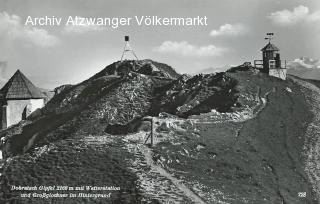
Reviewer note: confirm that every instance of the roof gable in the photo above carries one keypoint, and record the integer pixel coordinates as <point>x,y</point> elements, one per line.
<point>270,47</point>
<point>20,87</point>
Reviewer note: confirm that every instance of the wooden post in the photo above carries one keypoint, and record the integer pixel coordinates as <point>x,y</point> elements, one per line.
<point>151,132</point>
<point>149,119</point>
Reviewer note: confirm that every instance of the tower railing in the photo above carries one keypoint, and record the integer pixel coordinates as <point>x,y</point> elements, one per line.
<point>258,64</point>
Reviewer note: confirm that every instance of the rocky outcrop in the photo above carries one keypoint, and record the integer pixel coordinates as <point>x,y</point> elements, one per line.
<point>199,94</point>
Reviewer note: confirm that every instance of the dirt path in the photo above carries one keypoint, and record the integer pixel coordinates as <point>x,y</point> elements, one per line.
<point>242,116</point>
<point>156,182</point>
<point>189,193</point>
<point>312,141</point>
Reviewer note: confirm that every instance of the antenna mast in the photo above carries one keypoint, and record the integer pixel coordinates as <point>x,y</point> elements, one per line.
<point>127,48</point>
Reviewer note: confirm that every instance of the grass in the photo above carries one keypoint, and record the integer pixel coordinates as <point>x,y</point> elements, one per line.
<point>73,163</point>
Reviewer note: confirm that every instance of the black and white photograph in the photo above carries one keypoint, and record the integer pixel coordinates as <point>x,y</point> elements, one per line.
<point>159,102</point>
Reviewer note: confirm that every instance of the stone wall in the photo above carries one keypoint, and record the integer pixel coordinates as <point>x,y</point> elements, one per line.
<point>280,73</point>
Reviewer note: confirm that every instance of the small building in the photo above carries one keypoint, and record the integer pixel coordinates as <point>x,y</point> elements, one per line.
<point>271,63</point>
<point>18,99</point>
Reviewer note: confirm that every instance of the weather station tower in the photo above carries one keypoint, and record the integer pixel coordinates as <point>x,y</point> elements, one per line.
<point>271,63</point>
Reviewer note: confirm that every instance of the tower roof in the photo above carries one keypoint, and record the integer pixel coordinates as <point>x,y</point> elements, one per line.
<point>20,87</point>
<point>270,47</point>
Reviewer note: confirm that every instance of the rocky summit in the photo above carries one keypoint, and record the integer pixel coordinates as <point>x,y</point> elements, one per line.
<point>239,136</point>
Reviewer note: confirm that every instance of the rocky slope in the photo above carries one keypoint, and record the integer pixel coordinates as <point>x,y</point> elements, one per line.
<point>233,137</point>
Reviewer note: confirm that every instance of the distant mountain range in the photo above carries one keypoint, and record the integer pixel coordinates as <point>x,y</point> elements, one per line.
<point>305,67</point>
<point>214,70</point>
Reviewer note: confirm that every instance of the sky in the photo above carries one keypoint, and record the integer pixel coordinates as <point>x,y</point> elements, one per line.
<point>52,55</point>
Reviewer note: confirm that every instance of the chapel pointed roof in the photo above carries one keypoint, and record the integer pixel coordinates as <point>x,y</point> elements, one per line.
<point>20,87</point>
